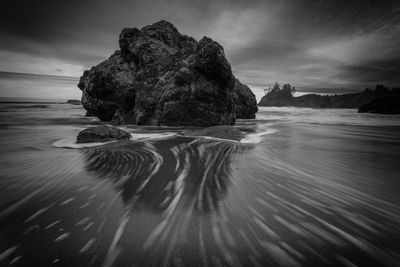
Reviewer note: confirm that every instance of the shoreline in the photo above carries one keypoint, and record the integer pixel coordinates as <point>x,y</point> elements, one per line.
<point>325,190</point>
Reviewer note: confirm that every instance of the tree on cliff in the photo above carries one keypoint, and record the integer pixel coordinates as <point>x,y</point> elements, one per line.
<point>381,89</point>
<point>287,88</point>
<point>276,88</point>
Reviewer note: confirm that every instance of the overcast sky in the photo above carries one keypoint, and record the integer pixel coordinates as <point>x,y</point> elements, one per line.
<point>325,44</point>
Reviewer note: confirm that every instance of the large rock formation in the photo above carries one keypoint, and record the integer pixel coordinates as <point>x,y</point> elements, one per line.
<point>161,77</point>
<point>284,98</point>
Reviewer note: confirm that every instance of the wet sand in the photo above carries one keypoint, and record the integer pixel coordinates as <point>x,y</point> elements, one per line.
<point>303,195</point>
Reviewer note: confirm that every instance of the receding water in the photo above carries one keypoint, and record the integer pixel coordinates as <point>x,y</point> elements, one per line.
<point>306,187</point>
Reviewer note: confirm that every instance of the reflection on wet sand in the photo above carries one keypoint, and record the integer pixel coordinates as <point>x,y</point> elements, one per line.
<point>181,178</point>
<point>303,195</point>
<point>159,176</point>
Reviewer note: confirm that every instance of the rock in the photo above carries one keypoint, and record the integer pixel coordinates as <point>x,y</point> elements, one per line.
<point>277,98</point>
<point>220,131</point>
<point>161,77</point>
<point>107,87</point>
<point>89,114</point>
<point>245,101</point>
<point>388,105</point>
<point>280,98</point>
<point>102,134</point>
<point>74,102</point>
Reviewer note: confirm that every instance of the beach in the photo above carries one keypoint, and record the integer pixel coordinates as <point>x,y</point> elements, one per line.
<point>305,187</point>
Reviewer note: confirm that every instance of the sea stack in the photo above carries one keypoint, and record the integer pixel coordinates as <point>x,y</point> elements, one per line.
<point>161,77</point>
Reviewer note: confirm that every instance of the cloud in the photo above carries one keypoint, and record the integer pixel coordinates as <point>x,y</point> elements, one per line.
<point>385,72</point>
<point>309,43</point>
<point>26,63</point>
<point>358,49</point>
<point>38,86</point>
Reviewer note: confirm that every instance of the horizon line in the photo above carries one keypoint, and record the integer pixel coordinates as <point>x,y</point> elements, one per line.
<point>12,73</point>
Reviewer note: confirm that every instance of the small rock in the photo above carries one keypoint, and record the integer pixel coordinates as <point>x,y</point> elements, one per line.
<point>102,134</point>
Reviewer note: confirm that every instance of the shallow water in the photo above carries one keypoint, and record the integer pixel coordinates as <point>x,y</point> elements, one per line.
<point>306,187</point>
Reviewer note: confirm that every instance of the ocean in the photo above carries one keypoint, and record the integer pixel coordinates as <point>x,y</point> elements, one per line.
<point>305,187</point>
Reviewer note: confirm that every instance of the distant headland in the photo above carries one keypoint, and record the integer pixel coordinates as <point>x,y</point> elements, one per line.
<point>381,100</point>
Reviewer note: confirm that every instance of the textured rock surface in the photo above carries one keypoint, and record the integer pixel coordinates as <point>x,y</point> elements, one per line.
<point>388,105</point>
<point>161,77</point>
<point>102,134</point>
<point>220,131</point>
<point>245,101</point>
